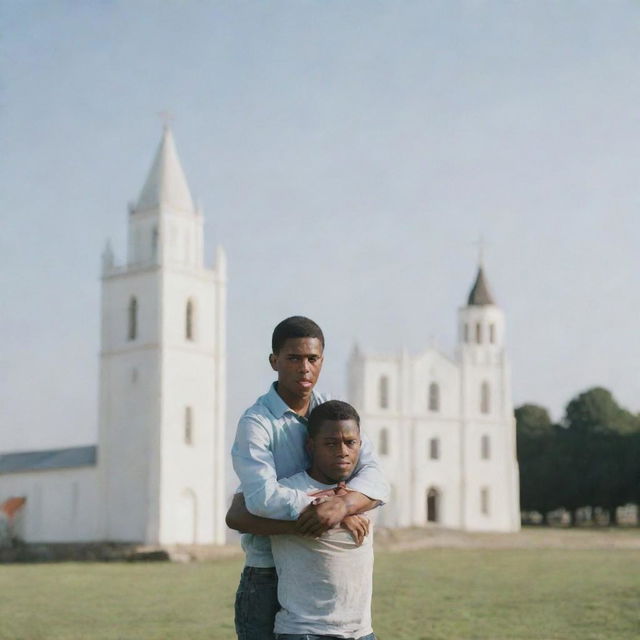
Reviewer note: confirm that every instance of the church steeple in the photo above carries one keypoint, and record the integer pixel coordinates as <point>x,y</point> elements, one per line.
<point>166,184</point>
<point>480,294</point>
<point>481,321</point>
<point>164,225</point>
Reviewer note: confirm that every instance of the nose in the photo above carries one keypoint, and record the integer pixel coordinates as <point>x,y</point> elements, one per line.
<point>344,450</point>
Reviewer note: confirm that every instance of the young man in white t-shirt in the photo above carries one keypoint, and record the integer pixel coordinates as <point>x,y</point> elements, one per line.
<point>324,583</point>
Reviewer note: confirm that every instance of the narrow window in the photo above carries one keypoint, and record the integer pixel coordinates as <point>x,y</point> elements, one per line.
<point>485,398</point>
<point>384,442</point>
<point>434,449</point>
<point>189,320</point>
<point>188,425</point>
<point>492,333</point>
<point>478,333</point>
<point>154,243</point>
<point>384,392</point>
<point>485,447</point>
<point>484,501</point>
<point>133,319</point>
<point>466,332</point>
<point>434,397</point>
<point>433,505</point>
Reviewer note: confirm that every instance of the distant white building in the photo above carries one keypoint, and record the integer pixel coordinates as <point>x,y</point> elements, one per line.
<point>444,428</point>
<point>157,475</point>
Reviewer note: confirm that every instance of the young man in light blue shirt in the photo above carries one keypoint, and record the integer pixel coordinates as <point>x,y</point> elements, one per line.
<point>269,445</point>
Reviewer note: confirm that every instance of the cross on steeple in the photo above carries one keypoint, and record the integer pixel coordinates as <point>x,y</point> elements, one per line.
<point>481,243</point>
<point>167,118</point>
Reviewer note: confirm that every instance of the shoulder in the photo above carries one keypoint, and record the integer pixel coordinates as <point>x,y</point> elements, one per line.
<point>297,481</point>
<point>258,412</point>
<point>256,421</point>
<point>320,397</point>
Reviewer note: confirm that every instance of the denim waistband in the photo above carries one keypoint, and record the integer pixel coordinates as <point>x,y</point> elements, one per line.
<point>259,571</point>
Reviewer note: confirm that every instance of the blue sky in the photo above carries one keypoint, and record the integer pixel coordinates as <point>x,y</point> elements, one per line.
<point>348,155</point>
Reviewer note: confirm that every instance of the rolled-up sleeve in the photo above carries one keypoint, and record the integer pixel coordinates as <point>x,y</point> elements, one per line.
<point>368,478</point>
<point>254,464</point>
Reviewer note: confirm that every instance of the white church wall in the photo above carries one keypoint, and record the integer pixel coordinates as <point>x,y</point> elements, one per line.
<point>433,367</point>
<point>129,412</point>
<point>191,464</point>
<point>441,473</point>
<point>376,371</point>
<point>63,505</point>
<point>438,412</point>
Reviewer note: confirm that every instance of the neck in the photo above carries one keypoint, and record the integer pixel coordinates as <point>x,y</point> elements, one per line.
<point>296,403</point>
<point>317,475</point>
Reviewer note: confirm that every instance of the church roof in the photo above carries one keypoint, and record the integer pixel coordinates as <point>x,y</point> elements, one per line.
<point>480,294</point>
<point>166,183</point>
<point>49,459</point>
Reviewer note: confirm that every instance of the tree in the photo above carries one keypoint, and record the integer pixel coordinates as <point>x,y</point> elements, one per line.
<point>595,441</point>
<point>535,440</point>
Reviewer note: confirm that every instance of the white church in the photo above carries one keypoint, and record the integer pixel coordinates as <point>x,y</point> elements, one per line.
<point>157,475</point>
<point>444,428</point>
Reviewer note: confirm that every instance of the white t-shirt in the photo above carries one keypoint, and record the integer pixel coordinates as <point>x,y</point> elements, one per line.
<point>324,584</point>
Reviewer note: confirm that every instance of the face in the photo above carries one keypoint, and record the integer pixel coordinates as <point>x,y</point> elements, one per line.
<point>334,450</point>
<point>298,364</point>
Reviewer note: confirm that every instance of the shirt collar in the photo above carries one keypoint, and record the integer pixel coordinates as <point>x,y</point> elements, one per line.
<point>279,407</point>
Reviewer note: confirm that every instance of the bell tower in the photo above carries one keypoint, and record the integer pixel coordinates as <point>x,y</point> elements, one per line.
<point>162,371</point>
<point>488,465</point>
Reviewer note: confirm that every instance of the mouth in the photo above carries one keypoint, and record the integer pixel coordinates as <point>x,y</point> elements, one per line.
<point>306,384</point>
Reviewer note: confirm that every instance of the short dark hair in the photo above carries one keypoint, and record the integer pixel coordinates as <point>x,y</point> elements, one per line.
<point>294,327</point>
<point>330,410</point>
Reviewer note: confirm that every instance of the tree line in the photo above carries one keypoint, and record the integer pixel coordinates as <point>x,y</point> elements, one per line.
<point>590,459</point>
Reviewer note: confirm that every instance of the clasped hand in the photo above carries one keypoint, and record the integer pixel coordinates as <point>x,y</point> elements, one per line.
<point>328,510</point>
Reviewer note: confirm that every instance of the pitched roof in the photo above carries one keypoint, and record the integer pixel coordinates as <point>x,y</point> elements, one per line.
<point>49,459</point>
<point>480,294</point>
<point>166,183</point>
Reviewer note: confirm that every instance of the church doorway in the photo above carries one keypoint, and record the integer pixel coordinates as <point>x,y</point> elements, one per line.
<point>433,505</point>
<point>187,518</point>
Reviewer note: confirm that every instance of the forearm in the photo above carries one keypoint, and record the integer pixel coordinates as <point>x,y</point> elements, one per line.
<point>240,519</point>
<point>356,502</point>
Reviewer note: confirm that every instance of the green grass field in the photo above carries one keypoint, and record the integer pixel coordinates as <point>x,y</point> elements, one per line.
<point>434,594</point>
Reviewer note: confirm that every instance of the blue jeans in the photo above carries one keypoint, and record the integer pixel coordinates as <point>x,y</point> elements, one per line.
<point>257,603</point>
<point>306,636</point>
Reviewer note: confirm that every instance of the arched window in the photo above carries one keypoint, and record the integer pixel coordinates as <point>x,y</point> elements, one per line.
<point>478,333</point>
<point>485,447</point>
<point>485,398</point>
<point>484,501</point>
<point>190,320</point>
<point>384,392</point>
<point>434,397</point>
<point>434,449</point>
<point>383,447</point>
<point>133,319</point>
<point>188,425</point>
<point>492,333</point>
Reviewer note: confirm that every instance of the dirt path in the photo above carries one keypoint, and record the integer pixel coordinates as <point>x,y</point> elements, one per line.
<point>529,538</point>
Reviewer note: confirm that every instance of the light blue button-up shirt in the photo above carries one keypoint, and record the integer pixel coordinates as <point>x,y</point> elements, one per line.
<point>269,445</point>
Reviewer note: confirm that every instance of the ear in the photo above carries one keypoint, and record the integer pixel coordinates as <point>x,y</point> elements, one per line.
<point>272,361</point>
<point>308,445</point>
